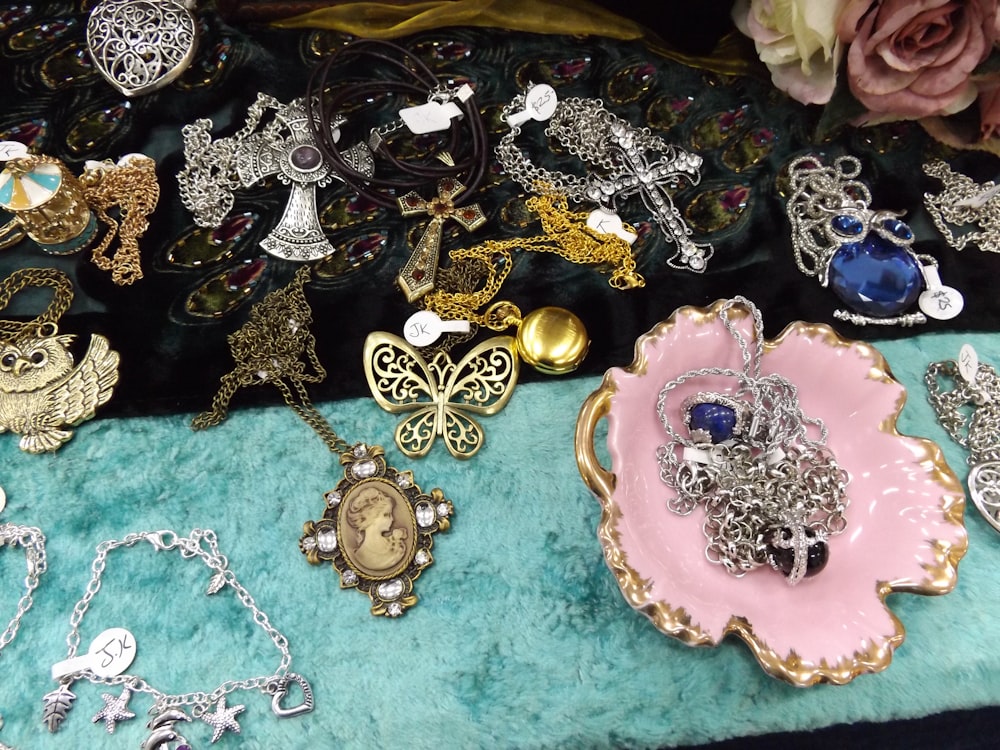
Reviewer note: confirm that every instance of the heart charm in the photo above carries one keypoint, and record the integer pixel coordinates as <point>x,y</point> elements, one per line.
<point>281,690</point>
<point>984,488</point>
<point>140,46</point>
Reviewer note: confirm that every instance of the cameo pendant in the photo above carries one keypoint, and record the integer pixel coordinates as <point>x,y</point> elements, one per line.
<point>377,530</point>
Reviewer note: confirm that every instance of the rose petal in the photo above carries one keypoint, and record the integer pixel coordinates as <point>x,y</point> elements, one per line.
<point>815,87</point>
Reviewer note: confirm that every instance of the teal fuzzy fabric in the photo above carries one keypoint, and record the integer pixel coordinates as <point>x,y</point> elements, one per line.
<point>520,638</point>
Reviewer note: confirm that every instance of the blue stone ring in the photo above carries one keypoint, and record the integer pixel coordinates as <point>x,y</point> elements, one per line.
<point>864,256</point>
<point>713,417</point>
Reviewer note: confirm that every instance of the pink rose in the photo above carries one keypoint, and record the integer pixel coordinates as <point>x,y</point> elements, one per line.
<point>989,110</point>
<point>913,58</point>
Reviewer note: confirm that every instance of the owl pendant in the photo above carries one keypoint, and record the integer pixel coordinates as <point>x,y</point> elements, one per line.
<point>42,393</point>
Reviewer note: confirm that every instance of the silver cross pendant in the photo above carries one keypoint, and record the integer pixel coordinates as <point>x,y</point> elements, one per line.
<point>287,149</point>
<point>651,180</point>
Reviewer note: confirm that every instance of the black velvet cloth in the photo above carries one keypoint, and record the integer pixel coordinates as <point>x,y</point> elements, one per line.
<point>744,129</point>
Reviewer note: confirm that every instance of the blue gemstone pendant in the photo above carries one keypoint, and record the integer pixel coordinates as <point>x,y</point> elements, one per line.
<point>876,277</point>
<point>715,419</point>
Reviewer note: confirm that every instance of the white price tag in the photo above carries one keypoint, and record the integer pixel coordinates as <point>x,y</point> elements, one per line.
<point>110,654</point>
<point>424,327</point>
<point>430,117</point>
<point>943,303</point>
<point>606,222</point>
<point>12,150</point>
<point>968,363</point>
<point>539,104</point>
<point>938,301</point>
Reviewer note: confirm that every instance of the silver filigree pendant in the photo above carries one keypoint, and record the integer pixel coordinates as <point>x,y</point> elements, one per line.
<point>984,488</point>
<point>140,46</point>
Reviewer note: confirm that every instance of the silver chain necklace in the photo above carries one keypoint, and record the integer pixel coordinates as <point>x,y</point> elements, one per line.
<point>32,541</point>
<point>617,152</point>
<point>976,385</point>
<point>772,495</point>
<point>105,665</point>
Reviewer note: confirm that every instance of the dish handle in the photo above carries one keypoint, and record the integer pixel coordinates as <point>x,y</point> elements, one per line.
<point>600,481</point>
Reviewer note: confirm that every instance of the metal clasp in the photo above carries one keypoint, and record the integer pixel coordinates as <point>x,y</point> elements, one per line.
<point>163,540</point>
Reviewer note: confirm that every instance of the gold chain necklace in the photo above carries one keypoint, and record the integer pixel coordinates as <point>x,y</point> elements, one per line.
<point>551,339</point>
<point>57,210</point>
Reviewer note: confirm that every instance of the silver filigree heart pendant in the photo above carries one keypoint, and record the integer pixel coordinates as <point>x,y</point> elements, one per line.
<point>140,46</point>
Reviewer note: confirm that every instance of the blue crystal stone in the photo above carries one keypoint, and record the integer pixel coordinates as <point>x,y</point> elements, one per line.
<point>715,419</point>
<point>875,277</point>
<point>847,225</point>
<point>898,228</point>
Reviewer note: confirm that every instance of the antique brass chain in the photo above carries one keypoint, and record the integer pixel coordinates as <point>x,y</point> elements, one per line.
<point>275,346</point>
<point>24,278</point>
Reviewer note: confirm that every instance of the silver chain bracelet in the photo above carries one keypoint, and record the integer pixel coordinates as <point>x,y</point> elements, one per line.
<point>112,653</point>
<point>32,541</point>
<point>973,384</point>
<point>617,152</point>
<point>772,495</point>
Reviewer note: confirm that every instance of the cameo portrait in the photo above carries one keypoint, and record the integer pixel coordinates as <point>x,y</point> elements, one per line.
<point>377,528</point>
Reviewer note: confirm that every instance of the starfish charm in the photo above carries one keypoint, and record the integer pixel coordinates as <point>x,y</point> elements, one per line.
<point>224,719</point>
<point>115,710</point>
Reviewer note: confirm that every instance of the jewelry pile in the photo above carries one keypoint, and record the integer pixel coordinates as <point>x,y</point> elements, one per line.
<point>772,492</point>
<point>381,125</point>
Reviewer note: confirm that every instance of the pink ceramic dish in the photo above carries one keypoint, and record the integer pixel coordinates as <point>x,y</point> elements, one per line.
<point>904,523</point>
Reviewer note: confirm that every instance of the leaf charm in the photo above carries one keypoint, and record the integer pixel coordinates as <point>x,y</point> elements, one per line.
<point>216,584</point>
<point>56,705</point>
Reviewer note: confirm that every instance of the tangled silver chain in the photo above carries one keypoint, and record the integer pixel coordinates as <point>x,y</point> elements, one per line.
<point>975,387</point>
<point>818,193</point>
<point>769,486</point>
<point>189,547</point>
<point>964,203</point>
<point>980,432</point>
<point>209,177</point>
<point>32,540</point>
<point>616,151</point>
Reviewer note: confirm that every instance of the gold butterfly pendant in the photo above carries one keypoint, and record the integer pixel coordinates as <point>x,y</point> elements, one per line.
<point>442,398</point>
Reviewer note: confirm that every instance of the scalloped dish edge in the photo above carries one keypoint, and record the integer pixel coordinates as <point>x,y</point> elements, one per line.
<point>941,577</point>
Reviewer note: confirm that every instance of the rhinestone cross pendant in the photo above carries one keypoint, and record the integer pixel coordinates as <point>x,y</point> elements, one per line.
<point>417,276</point>
<point>651,180</point>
